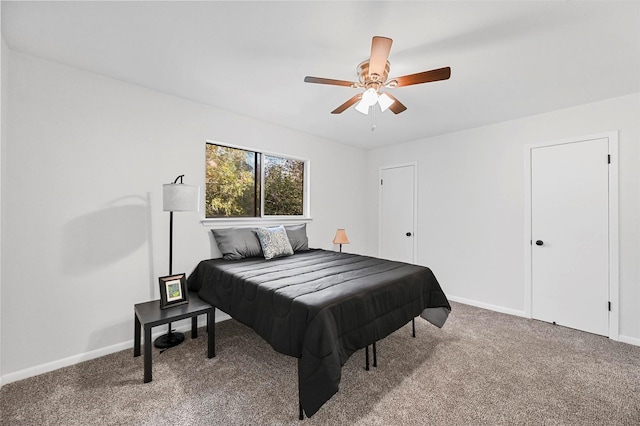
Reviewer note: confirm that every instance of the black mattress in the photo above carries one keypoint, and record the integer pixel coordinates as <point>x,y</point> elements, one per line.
<point>320,306</point>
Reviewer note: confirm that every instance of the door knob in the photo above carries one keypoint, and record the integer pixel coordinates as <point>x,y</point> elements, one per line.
<point>408,234</point>
<point>539,242</point>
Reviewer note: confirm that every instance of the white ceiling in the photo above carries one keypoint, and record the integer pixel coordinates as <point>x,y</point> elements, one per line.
<point>509,59</point>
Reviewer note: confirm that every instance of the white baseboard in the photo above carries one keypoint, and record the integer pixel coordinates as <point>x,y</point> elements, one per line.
<point>76,359</point>
<point>629,340</point>
<point>65,362</point>
<point>624,339</point>
<point>487,306</point>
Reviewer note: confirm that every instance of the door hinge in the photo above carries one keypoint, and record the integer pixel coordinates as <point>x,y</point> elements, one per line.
<point>609,306</point>
<point>609,159</point>
<point>380,181</point>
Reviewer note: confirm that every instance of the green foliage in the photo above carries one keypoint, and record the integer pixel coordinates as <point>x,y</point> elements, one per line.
<point>283,186</point>
<point>232,190</point>
<point>230,182</point>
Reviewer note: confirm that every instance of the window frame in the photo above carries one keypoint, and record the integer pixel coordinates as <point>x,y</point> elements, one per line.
<point>262,219</point>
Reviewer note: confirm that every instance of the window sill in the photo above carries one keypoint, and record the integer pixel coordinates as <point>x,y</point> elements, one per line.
<point>253,221</point>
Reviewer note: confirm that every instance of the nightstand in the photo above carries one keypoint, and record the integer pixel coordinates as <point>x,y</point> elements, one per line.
<point>149,315</point>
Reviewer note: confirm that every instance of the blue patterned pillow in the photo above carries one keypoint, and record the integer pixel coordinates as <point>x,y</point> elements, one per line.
<point>274,242</point>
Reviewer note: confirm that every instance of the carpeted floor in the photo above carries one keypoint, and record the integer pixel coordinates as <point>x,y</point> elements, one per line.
<point>482,368</point>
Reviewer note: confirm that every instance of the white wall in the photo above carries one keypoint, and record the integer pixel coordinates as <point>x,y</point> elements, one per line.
<point>4,62</point>
<point>471,203</point>
<point>84,234</point>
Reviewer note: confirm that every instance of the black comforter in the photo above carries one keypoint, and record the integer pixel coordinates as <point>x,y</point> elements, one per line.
<point>320,306</point>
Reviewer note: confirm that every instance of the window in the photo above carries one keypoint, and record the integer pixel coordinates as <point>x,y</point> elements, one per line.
<point>243,183</point>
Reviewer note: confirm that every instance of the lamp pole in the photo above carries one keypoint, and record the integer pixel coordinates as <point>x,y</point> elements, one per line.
<point>176,197</point>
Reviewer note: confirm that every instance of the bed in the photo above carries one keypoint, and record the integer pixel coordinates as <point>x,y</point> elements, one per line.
<point>318,306</point>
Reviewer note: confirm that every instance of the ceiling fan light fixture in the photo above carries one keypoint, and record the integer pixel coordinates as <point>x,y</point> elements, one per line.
<point>362,107</point>
<point>369,97</point>
<point>385,101</point>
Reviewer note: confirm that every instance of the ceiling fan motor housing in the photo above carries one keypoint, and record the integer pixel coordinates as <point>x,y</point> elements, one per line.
<point>374,81</point>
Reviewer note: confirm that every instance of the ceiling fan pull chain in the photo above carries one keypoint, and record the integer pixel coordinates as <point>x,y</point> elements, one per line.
<point>373,117</point>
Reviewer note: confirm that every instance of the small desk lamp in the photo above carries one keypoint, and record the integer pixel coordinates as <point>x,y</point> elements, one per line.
<point>176,197</point>
<point>340,238</point>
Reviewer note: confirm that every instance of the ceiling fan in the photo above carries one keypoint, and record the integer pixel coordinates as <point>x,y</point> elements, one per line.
<point>372,76</point>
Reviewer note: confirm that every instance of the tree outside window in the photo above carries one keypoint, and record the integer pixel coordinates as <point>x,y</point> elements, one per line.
<point>283,186</point>
<point>233,184</point>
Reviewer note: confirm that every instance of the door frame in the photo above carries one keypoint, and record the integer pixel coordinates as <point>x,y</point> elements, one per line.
<point>413,164</point>
<point>614,313</point>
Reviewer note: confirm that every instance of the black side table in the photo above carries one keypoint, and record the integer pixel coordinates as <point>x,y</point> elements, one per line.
<point>149,315</point>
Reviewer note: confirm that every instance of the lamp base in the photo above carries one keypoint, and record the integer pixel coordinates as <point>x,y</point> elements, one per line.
<point>169,340</point>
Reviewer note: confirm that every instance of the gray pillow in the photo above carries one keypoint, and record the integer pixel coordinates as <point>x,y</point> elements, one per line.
<point>298,236</point>
<point>274,242</point>
<point>237,243</point>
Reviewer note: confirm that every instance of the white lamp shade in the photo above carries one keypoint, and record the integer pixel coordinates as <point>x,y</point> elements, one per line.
<point>385,101</point>
<point>178,197</point>
<point>369,97</point>
<point>362,107</point>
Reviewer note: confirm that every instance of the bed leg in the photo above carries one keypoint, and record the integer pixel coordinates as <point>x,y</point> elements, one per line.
<point>413,326</point>
<point>375,356</point>
<point>301,413</point>
<point>366,357</point>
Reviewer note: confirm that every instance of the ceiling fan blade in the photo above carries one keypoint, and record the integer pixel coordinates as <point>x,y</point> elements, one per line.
<point>380,48</point>
<point>423,77</point>
<point>347,104</point>
<point>319,80</point>
<point>396,107</point>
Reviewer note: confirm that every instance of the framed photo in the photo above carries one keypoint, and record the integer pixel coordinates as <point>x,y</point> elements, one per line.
<point>173,291</point>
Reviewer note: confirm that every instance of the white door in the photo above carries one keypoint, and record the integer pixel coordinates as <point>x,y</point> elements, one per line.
<point>570,235</point>
<point>397,213</point>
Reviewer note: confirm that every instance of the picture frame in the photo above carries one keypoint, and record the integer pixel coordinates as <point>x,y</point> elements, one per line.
<point>173,291</point>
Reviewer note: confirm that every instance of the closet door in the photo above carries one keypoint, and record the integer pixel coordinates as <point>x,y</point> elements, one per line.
<point>570,235</point>
<point>397,213</point>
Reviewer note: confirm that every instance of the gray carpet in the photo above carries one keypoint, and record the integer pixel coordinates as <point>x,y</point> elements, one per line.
<point>482,368</point>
